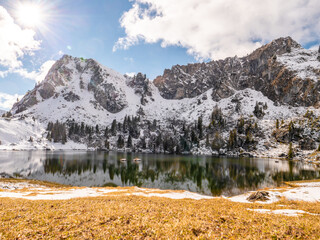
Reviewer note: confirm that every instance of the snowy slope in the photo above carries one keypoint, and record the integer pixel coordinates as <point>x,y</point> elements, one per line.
<point>15,133</point>
<point>28,134</point>
<point>303,61</point>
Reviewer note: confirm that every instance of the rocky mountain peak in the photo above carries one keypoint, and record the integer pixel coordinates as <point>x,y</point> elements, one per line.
<point>276,47</point>
<point>71,78</point>
<point>268,69</point>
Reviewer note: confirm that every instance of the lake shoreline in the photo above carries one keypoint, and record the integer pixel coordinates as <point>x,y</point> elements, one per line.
<point>41,190</point>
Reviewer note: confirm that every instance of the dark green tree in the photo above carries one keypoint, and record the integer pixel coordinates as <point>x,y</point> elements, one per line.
<point>120,142</point>
<point>114,128</point>
<point>290,151</point>
<point>129,142</point>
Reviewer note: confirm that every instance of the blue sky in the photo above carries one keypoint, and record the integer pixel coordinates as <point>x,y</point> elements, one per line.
<point>142,35</point>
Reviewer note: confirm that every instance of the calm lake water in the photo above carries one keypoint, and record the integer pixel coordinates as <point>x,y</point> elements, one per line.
<point>202,174</point>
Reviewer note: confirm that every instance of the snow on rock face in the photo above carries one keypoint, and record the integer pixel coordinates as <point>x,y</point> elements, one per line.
<point>304,62</point>
<point>76,79</point>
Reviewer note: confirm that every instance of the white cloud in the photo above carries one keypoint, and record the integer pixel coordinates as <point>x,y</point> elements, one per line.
<point>7,100</point>
<point>69,47</point>
<point>60,53</point>
<point>37,76</point>
<point>220,28</point>
<point>15,42</point>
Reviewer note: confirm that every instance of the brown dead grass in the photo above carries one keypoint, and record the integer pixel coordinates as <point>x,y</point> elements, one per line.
<point>130,217</point>
<point>117,216</point>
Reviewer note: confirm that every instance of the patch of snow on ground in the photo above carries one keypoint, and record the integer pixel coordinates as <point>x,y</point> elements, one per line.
<point>173,195</point>
<point>35,192</point>
<point>287,212</point>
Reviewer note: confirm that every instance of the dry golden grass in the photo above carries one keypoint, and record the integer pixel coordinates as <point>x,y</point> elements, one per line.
<point>118,216</point>
<point>131,217</point>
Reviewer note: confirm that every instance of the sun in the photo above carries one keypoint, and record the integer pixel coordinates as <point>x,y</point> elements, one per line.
<point>30,15</point>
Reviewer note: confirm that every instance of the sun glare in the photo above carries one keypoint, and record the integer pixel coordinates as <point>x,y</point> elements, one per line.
<point>30,15</point>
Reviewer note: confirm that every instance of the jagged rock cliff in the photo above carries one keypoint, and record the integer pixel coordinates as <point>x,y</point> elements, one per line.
<point>272,69</point>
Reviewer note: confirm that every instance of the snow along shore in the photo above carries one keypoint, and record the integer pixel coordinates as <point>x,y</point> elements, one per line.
<point>29,191</point>
<point>306,191</point>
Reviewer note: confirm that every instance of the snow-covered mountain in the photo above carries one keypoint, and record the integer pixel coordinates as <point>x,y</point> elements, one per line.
<point>189,108</point>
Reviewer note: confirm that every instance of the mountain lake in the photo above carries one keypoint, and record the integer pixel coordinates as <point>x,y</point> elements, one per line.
<point>202,174</point>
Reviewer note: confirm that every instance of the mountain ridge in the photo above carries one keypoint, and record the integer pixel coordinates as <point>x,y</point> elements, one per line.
<point>234,102</point>
<point>260,70</point>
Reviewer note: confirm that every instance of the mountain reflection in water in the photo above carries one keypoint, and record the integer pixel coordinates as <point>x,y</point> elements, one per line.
<point>202,174</point>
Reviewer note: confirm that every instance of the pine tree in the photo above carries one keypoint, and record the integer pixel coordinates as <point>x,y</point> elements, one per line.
<point>233,139</point>
<point>49,136</point>
<point>248,137</point>
<point>290,151</point>
<point>82,128</point>
<point>291,130</point>
<point>143,143</point>
<point>240,124</point>
<point>114,128</point>
<point>120,142</point>
<point>158,140</point>
<point>277,124</point>
<point>71,130</point>
<point>154,124</point>
<point>194,138</point>
<point>207,141</point>
<point>97,129</point>
<point>106,132</point>
<point>129,142</point>
<point>217,142</point>
<point>200,127</point>
<point>106,144</point>
<point>125,124</point>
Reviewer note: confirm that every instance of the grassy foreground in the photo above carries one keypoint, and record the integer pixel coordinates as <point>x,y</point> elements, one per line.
<point>132,217</point>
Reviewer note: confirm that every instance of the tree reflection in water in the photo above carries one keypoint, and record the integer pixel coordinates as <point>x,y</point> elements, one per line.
<point>208,175</point>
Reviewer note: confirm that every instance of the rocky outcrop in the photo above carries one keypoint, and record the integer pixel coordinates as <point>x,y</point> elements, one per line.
<point>70,76</point>
<point>141,86</point>
<point>106,93</point>
<point>260,71</point>
<point>71,97</point>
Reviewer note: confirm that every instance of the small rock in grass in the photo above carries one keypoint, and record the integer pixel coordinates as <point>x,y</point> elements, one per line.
<point>259,196</point>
